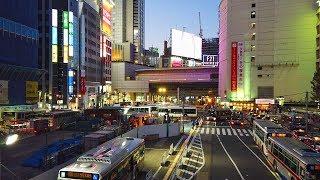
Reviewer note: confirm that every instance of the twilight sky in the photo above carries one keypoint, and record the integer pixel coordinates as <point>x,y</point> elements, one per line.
<point>162,15</point>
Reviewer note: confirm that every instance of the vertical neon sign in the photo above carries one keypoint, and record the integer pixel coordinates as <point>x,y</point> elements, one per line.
<point>234,66</point>
<point>65,22</point>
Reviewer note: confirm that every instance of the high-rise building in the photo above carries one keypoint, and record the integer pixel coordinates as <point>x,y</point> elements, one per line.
<point>128,26</point>
<point>151,57</point>
<point>19,72</point>
<point>90,62</point>
<point>59,52</point>
<point>210,46</point>
<point>265,46</point>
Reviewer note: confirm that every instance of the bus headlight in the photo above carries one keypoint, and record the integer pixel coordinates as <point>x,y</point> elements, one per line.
<point>62,174</point>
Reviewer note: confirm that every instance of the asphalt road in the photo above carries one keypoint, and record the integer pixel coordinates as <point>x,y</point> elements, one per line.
<point>231,154</point>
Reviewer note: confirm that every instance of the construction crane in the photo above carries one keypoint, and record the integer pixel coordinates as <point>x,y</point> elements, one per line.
<point>201,30</point>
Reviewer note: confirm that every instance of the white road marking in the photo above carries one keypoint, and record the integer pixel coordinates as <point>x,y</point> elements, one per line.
<point>212,130</point>
<point>234,132</point>
<point>208,131</point>
<point>229,132</point>
<point>218,131</point>
<point>240,133</point>
<point>245,132</point>
<point>257,157</point>
<point>223,131</point>
<point>202,130</point>
<point>234,164</point>
<point>250,132</point>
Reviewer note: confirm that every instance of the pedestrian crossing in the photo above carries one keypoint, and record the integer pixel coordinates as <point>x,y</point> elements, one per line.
<point>225,131</point>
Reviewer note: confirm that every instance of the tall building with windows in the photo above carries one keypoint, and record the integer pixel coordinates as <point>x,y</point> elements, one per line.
<point>129,26</point>
<point>59,52</point>
<point>19,72</point>
<point>92,67</point>
<point>266,48</point>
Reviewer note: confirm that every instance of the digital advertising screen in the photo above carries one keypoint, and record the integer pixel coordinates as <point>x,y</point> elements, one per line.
<point>186,44</point>
<point>106,11</point>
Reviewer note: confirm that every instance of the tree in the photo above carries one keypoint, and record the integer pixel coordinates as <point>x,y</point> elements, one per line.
<point>316,85</point>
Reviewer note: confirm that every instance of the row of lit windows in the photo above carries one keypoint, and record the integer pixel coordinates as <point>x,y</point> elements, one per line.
<point>19,29</point>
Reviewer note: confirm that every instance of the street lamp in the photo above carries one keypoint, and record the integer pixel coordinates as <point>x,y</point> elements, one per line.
<point>8,140</point>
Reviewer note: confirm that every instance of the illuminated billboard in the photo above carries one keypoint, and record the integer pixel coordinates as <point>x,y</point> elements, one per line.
<point>234,66</point>
<point>186,44</point>
<point>106,11</point>
<point>176,62</point>
<point>54,53</point>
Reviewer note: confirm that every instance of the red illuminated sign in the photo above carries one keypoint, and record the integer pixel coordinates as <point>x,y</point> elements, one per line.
<point>83,88</point>
<point>234,65</point>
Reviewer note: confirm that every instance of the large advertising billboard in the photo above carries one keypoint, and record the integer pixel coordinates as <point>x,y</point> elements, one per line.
<point>31,92</point>
<point>4,92</point>
<point>106,10</point>
<point>186,44</point>
<point>234,66</point>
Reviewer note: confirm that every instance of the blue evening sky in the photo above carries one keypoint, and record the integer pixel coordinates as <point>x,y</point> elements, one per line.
<point>162,15</point>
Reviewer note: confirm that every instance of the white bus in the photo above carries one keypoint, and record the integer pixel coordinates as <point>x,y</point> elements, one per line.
<point>292,159</point>
<point>176,111</point>
<point>152,110</point>
<point>120,158</point>
<point>262,129</point>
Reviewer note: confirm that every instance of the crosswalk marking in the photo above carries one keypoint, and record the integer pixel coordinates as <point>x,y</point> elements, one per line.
<point>245,132</point>
<point>202,130</point>
<point>229,132</point>
<point>218,131</point>
<point>234,132</point>
<point>212,130</point>
<point>207,131</point>
<point>223,131</point>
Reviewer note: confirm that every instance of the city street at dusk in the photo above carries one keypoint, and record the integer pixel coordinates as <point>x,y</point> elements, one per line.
<point>160,89</point>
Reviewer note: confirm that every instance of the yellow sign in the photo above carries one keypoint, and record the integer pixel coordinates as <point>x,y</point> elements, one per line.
<point>31,92</point>
<point>65,54</point>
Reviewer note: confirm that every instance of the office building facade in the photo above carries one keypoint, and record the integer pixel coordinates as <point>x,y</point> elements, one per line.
<point>128,27</point>
<point>59,52</point>
<point>265,46</point>
<point>19,40</point>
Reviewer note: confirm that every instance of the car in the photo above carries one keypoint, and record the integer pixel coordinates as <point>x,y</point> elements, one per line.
<point>237,122</point>
<point>298,133</point>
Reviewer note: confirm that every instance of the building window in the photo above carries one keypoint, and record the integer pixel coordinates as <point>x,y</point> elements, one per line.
<point>253,25</point>
<point>259,76</point>
<point>259,67</point>
<point>253,47</point>
<point>253,36</point>
<point>253,58</point>
<point>253,14</point>
<point>253,5</point>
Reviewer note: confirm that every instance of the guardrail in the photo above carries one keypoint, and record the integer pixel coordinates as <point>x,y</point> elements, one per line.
<point>171,173</point>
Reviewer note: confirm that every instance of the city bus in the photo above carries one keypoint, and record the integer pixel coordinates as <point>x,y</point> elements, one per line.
<point>292,159</point>
<point>152,110</point>
<point>262,129</point>
<point>176,111</point>
<point>119,158</point>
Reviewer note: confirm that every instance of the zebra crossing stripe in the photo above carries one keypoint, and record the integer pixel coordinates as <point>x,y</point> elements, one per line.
<point>240,133</point>
<point>202,130</point>
<point>212,131</point>
<point>234,132</point>
<point>207,131</point>
<point>223,131</point>
<point>229,132</point>
<point>218,131</point>
<point>245,132</point>
<point>250,131</point>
